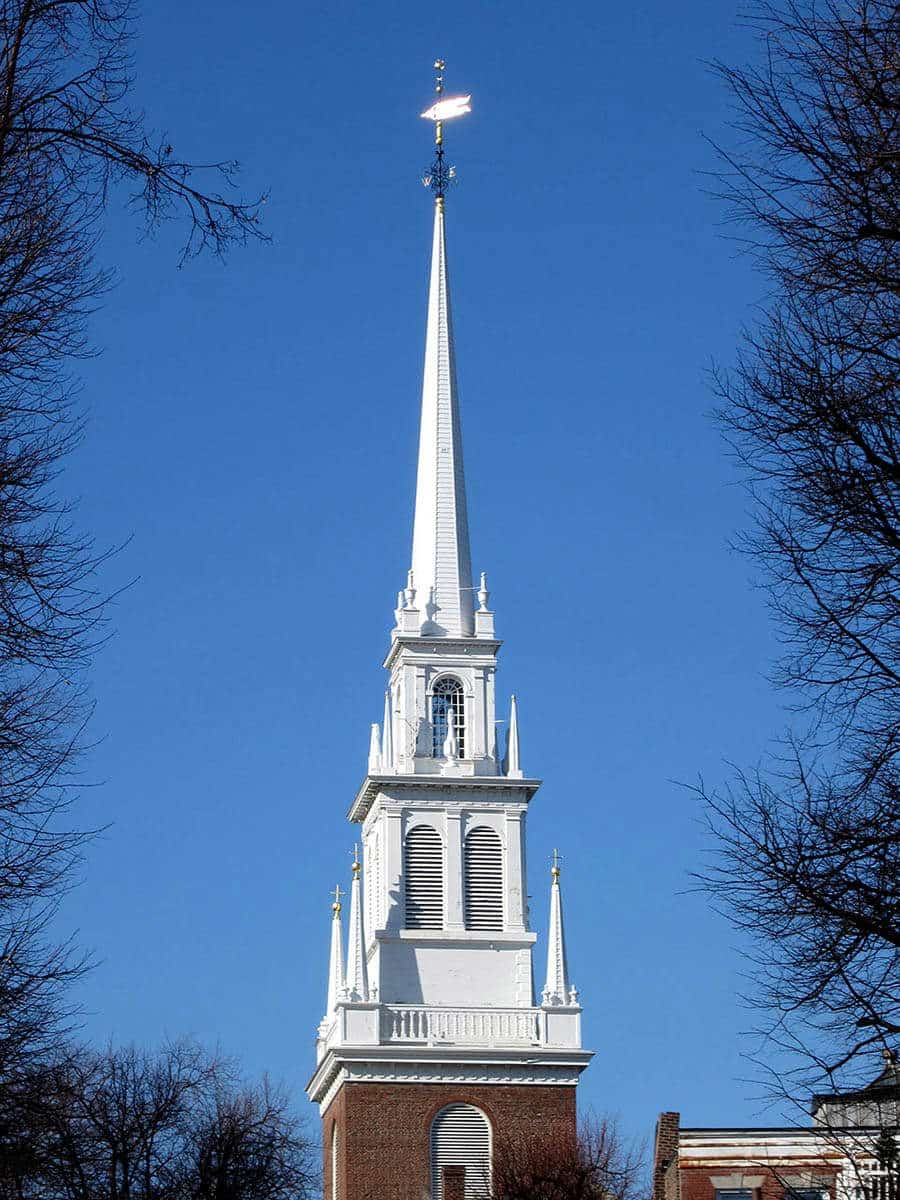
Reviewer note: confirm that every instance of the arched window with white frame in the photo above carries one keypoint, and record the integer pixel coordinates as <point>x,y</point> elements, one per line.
<point>460,1137</point>
<point>483,879</point>
<point>423,876</point>
<point>448,710</point>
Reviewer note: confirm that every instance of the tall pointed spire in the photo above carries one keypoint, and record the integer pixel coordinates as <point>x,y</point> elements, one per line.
<point>557,990</point>
<point>374,749</point>
<point>336,957</point>
<point>387,735</point>
<point>513,767</point>
<point>441,560</point>
<point>357,974</point>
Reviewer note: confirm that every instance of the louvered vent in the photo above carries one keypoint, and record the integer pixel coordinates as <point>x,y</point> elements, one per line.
<point>423,871</point>
<point>484,879</point>
<point>461,1137</point>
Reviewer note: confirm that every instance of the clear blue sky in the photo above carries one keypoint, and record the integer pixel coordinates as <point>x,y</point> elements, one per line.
<point>253,432</point>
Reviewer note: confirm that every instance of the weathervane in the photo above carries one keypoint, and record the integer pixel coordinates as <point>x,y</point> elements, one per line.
<point>441,175</point>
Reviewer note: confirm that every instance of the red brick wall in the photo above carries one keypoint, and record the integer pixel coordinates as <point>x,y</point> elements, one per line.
<point>665,1158</point>
<point>383,1130</point>
<point>696,1182</point>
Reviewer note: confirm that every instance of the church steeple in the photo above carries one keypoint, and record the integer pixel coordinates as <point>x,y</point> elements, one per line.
<point>441,560</point>
<point>435,1011</point>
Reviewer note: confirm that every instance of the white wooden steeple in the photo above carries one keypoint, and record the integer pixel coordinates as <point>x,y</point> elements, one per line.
<point>438,981</point>
<point>441,559</point>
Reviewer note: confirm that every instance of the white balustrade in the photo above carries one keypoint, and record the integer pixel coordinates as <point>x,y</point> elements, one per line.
<point>461,1026</point>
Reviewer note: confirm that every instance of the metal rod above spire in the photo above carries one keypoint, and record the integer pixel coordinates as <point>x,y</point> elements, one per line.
<point>440,175</point>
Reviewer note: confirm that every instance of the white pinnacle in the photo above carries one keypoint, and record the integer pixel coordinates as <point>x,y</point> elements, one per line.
<point>556,990</point>
<point>513,769</point>
<point>357,973</point>
<point>441,560</point>
<point>336,958</point>
<point>374,750</point>
<point>387,736</point>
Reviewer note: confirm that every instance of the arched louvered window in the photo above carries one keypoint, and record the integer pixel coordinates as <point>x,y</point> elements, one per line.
<point>448,707</point>
<point>335,1191</point>
<point>423,873</point>
<point>483,868</point>
<point>461,1137</point>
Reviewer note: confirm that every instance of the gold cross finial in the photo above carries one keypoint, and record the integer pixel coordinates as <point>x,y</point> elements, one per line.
<point>336,906</point>
<point>556,860</point>
<point>356,866</point>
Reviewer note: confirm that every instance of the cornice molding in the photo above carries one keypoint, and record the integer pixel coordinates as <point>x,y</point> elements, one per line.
<point>339,1068</point>
<point>479,786</point>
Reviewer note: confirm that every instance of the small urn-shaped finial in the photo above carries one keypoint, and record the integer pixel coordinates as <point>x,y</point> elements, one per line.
<point>484,595</point>
<point>409,592</point>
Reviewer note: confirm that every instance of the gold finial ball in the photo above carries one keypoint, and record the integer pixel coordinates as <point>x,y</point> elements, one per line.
<point>439,64</point>
<point>554,871</point>
<point>356,868</point>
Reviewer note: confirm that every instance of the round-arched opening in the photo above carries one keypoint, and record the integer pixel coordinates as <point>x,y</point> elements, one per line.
<point>448,711</point>
<point>460,1138</point>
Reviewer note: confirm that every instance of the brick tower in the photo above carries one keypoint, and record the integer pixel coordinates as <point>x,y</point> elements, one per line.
<point>432,1048</point>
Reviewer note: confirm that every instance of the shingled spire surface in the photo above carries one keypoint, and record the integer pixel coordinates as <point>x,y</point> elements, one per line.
<point>441,559</point>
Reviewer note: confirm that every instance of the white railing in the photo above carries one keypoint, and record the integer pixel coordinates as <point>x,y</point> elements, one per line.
<point>874,1183</point>
<point>463,1026</point>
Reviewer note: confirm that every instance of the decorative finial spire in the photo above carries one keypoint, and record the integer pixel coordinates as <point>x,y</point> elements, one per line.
<point>484,595</point>
<point>374,749</point>
<point>441,559</point>
<point>387,736</point>
<point>357,972</point>
<point>513,767</point>
<point>444,109</point>
<point>409,592</point>
<point>336,956</point>
<point>558,992</point>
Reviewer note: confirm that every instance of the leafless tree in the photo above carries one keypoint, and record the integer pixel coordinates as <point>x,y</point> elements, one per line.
<point>69,141</point>
<point>128,1125</point>
<point>598,1164</point>
<point>809,846</point>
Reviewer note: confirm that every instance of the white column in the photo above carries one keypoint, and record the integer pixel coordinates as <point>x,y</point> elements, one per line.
<point>453,881</point>
<point>515,872</point>
<point>392,868</point>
